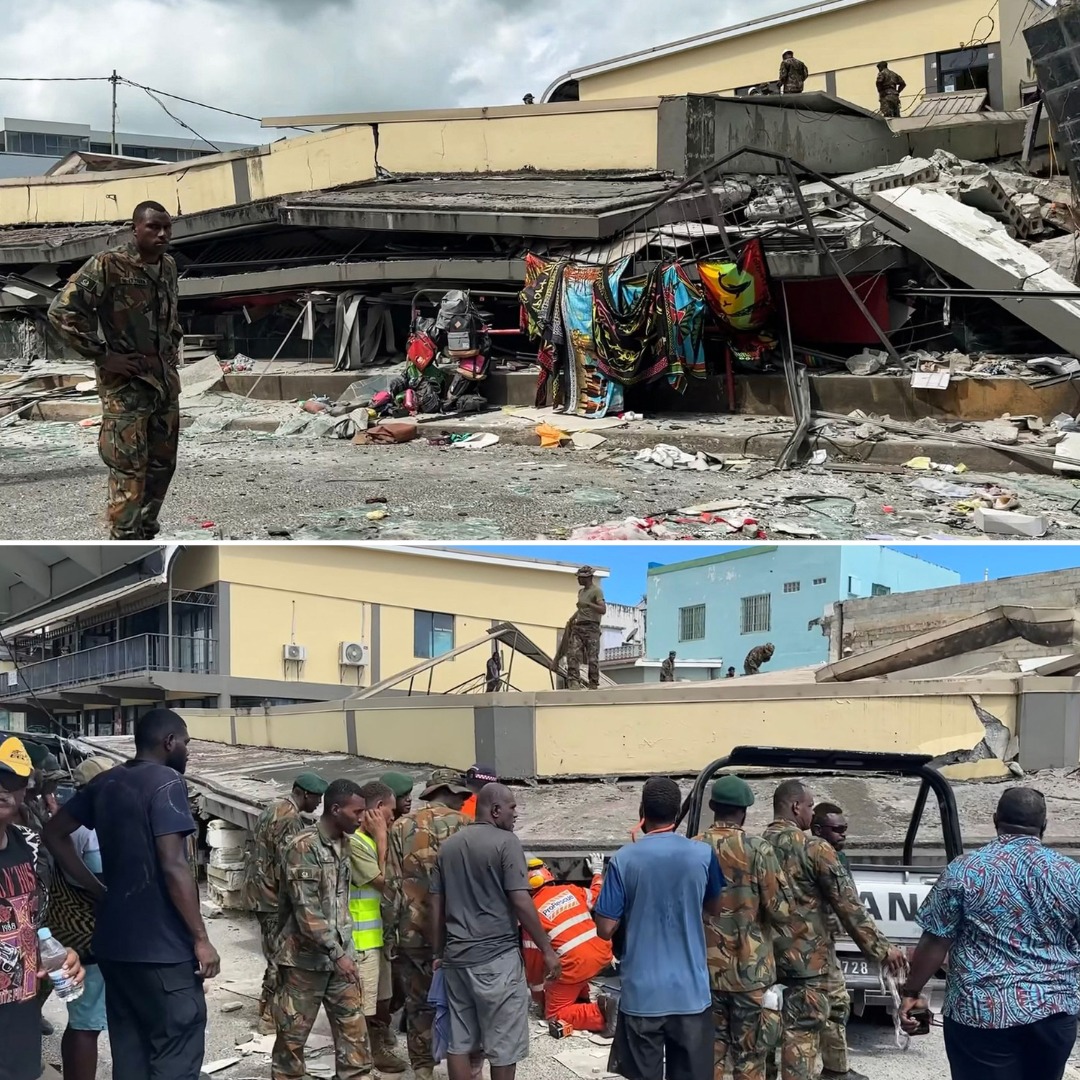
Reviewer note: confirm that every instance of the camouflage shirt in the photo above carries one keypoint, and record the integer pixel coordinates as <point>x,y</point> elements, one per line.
<point>758,655</point>
<point>411,853</point>
<point>889,83</point>
<point>756,903</point>
<point>315,927</point>
<point>278,823</point>
<point>820,886</point>
<point>136,307</point>
<point>793,75</point>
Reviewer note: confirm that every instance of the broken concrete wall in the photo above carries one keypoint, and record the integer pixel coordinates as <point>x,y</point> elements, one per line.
<point>884,620</point>
<point>977,249</point>
<point>1048,726</point>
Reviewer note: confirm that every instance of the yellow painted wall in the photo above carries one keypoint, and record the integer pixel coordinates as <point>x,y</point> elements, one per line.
<point>849,40</point>
<point>649,737</point>
<point>567,141</point>
<point>615,138</point>
<point>196,567</point>
<point>329,590</point>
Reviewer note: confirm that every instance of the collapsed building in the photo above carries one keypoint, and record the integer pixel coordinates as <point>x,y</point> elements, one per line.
<point>792,256</point>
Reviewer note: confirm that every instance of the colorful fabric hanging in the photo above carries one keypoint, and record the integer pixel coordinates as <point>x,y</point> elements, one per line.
<point>738,292</point>
<point>624,330</point>
<point>680,339</point>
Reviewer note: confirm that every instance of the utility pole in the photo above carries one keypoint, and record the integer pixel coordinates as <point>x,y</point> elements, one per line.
<point>114,80</point>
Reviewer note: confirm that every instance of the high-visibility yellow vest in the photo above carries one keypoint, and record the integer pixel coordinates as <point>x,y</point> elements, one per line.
<point>364,907</point>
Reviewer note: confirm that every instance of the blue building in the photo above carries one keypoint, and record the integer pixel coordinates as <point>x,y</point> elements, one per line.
<point>720,607</point>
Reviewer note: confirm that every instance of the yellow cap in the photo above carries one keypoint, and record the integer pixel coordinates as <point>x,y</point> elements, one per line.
<point>14,758</point>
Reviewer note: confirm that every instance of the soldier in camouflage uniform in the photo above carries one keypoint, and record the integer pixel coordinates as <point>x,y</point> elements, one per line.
<point>411,853</point>
<point>831,826</point>
<point>583,646</point>
<point>819,886</point>
<point>277,824</point>
<point>315,958</point>
<point>889,88</point>
<point>793,74</point>
<point>756,903</point>
<point>132,293</point>
<point>760,654</point>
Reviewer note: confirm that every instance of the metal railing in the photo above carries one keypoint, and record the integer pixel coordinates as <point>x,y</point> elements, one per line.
<point>131,656</point>
<point>624,652</point>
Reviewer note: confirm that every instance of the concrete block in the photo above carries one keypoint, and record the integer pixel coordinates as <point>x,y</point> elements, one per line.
<point>985,193</point>
<point>977,250</point>
<point>1009,523</point>
<point>1068,448</point>
<point>1060,252</point>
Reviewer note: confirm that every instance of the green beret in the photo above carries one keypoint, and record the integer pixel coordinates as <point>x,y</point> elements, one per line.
<point>38,754</point>
<point>311,783</point>
<point>732,791</point>
<point>400,784</point>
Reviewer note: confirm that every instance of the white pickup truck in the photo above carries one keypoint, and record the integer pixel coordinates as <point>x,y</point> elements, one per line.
<point>892,888</point>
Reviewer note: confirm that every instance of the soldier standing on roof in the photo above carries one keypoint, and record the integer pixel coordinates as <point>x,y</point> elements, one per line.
<point>760,654</point>
<point>584,629</point>
<point>277,824</point>
<point>412,849</point>
<point>132,294</point>
<point>667,668</point>
<point>793,74</point>
<point>755,905</point>
<point>889,88</point>
<point>820,888</point>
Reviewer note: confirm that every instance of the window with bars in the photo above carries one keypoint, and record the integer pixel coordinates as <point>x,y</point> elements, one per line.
<point>692,623</point>
<point>819,581</point>
<point>792,586</point>
<point>756,616</point>
<point>880,590</point>
<point>433,634</point>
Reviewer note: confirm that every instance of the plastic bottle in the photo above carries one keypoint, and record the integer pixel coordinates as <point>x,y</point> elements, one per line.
<point>53,956</point>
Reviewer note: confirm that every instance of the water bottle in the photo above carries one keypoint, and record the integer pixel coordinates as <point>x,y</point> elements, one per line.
<point>53,957</point>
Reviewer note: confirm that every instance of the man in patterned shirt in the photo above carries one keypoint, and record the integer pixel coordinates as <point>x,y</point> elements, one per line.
<point>1008,918</point>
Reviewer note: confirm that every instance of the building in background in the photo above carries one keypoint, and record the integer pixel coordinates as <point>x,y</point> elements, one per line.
<point>938,48</point>
<point>715,610</point>
<point>33,147</point>
<point>103,634</point>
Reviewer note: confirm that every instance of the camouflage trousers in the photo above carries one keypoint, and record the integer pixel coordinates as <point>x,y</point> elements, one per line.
<point>584,648</point>
<point>890,105</point>
<point>746,1032</point>
<point>297,999</point>
<point>412,974</point>
<point>140,430</point>
<point>834,1053</point>
<point>267,932</point>
<point>806,1011</point>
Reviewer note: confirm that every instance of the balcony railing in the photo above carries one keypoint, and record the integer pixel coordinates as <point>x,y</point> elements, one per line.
<point>131,656</point>
<point>624,652</point>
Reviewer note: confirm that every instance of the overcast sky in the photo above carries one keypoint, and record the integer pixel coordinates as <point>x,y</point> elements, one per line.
<point>290,57</point>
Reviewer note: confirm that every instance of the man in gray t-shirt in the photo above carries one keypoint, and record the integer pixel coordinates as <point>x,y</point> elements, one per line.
<point>479,897</point>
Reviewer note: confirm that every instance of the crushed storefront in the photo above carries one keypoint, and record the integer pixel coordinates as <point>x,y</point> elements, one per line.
<point>870,315</point>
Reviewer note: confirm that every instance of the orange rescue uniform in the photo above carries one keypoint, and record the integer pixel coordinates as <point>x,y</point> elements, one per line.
<point>566,915</point>
<point>469,808</point>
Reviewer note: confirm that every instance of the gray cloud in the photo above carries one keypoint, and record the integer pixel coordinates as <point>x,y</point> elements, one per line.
<point>289,57</point>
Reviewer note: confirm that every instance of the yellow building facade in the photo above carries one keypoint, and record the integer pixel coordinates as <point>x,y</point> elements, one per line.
<point>934,46</point>
<point>236,627</point>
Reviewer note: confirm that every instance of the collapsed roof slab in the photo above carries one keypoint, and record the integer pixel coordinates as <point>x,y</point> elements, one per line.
<point>975,248</point>
<point>1041,626</point>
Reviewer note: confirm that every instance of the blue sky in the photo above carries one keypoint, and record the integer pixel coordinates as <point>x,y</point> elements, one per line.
<point>628,563</point>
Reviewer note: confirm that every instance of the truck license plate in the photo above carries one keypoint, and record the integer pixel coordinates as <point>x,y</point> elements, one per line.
<point>858,967</point>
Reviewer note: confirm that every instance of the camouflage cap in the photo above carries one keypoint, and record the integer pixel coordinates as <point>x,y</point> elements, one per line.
<point>586,571</point>
<point>400,784</point>
<point>450,779</point>
<point>732,791</point>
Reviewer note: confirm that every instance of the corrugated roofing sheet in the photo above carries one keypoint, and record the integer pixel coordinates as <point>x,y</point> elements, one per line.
<point>957,103</point>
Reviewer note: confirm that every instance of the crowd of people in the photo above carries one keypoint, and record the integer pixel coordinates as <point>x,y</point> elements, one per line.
<point>725,943</point>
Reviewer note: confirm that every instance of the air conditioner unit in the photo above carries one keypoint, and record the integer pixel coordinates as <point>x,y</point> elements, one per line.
<point>354,654</point>
<point>13,678</point>
<point>294,652</point>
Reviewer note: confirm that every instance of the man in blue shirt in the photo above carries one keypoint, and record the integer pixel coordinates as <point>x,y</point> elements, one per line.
<point>659,889</point>
<point>149,936</point>
<point>1008,918</point>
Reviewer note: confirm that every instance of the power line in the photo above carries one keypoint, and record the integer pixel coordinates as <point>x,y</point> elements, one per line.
<point>183,124</point>
<point>202,104</point>
<point>27,78</point>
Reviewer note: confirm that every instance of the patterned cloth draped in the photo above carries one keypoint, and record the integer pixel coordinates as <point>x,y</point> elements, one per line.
<point>624,328</point>
<point>738,292</point>
<point>681,313</point>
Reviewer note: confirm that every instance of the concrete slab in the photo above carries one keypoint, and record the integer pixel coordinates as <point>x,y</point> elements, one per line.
<point>1046,626</point>
<point>977,250</point>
